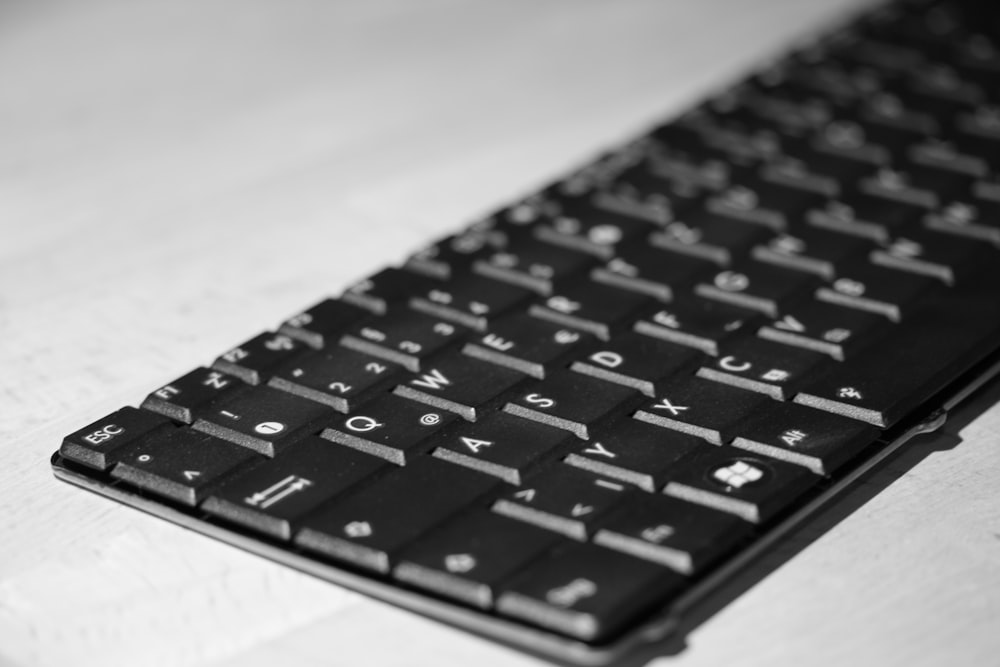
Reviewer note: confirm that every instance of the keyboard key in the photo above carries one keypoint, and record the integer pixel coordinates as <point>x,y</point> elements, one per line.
<point>256,359</point>
<point>264,420</point>
<point>634,452</point>
<point>819,441</point>
<point>587,592</point>
<point>887,380</point>
<point>827,328</point>
<point>635,361</point>
<point>756,286</point>
<point>455,254</point>
<point>180,463</point>
<point>390,427</point>
<point>403,337</point>
<point>585,228</point>
<point>731,480</point>
<point>569,401</point>
<point>650,271</point>
<point>876,289</point>
<point>760,365</point>
<point>680,535</point>
<point>927,253</point>
<point>468,557</point>
<point>275,493</point>
<point>98,444</point>
<point>458,383</point>
<point>535,266</point>
<point>972,219</point>
<point>390,286</point>
<point>526,344</point>
<point>708,237</point>
<point>369,527</point>
<point>192,392</point>
<point>339,378</point>
<point>473,302</point>
<point>501,445</point>
<point>562,499</point>
<point>703,408</point>
<point>699,323</point>
<point>594,308</point>
<point>809,249</point>
<point>321,325</point>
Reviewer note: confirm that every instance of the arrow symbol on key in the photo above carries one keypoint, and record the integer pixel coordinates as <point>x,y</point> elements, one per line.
<point>191,474</point>
<point>580,510</point>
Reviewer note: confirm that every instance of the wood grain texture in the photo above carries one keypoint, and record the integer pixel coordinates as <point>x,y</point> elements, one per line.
<point>177,176</point>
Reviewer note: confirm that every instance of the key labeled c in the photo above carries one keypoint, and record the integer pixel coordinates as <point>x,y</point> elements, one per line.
<point>734,365</point>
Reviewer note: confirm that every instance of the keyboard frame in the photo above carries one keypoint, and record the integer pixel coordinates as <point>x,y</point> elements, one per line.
<point>714,588</point>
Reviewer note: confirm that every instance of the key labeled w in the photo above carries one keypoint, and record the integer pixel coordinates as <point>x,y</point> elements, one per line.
<point>435,379</point>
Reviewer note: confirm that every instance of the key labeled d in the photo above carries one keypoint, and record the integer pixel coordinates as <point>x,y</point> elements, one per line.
<point>607,358</point>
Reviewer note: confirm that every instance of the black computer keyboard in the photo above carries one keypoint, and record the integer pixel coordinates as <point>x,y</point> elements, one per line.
<point>567,424</point>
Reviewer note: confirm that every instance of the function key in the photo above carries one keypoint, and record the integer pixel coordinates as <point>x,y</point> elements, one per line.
<point>96,445</point>
<point>746,485</point>
<point>322,324</point>
<point>587,592</point>
<point>189,393</point>
<point>682,536</point>
<point>403,337</point>
<point>467,558</point>
<point>569,401</point>
<point>338,378</point>
<point>369,527</point>
<point>273,494</point>
<point>264,420</point>
<point>526,344</point>
<point>255,360</point>
<point>180,463</point>
<point>389,427</point>
<point>387,287</point>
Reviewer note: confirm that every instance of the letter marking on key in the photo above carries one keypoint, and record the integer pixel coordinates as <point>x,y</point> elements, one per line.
<point>474,444</point>
<point>600,450</point>
<point>665,404</point>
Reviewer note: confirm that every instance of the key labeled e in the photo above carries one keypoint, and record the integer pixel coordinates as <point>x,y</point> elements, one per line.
<point>607,358</point>
<point>104,434</point>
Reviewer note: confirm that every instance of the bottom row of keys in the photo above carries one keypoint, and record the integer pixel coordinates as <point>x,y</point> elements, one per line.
<point>569,549</point>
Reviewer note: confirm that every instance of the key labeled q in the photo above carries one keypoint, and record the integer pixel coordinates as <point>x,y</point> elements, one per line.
<point>362,424</point>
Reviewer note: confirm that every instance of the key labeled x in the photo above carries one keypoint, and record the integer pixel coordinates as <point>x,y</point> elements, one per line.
<point>665,404</point>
